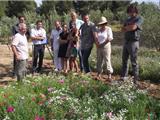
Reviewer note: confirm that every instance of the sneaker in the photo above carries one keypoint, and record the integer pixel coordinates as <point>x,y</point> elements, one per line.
<point>123,78</point>
<point>56,70</point>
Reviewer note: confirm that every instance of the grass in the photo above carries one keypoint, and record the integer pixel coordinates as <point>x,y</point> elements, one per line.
<point>148,60</point>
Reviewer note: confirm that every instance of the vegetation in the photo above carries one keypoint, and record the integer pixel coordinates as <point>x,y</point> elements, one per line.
<point>148,59</point>
<point>74,97</point>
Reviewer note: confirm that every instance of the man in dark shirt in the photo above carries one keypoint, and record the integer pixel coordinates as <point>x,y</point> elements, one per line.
<point>132,29</point>
<point>87,38</point>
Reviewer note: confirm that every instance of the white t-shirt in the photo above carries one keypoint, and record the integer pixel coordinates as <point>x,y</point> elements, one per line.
<point>106,34</point>
<point>21,44</point>
<point>38,32</point>
<point>55,37</point>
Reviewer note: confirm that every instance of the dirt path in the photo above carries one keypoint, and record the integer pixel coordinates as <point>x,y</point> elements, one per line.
<point>6,58</point>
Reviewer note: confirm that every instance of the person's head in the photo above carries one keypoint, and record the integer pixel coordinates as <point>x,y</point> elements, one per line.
<point>73,27</point>
<point>22,28</point>
<point>102,22</point>
<point>85,18</point>
<point>57,24</point>
<point>21,19</point>
<point>73,16</point>
<point>39,24</point>
<point>65,28</point>
<point>132,10</point>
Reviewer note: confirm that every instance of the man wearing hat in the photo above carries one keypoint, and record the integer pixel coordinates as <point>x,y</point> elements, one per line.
<point>132,28</point>
<point>104,38</point>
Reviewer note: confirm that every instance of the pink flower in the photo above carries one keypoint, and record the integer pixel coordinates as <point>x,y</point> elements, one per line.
<point>109,115</point>
<point>50,89</point>
<point>10,109</point>
<point>63,98</point>
<point>39,118</point>
<point>61,81</point>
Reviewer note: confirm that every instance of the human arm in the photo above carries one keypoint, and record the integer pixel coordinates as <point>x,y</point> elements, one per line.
<point>14,43</point>
<point>134,25</point>
<point>15,52</point>
<point>35,36</point>
<point>109,36</point>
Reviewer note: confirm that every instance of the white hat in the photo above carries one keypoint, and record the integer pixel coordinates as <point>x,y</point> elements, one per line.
<point>103,20</point>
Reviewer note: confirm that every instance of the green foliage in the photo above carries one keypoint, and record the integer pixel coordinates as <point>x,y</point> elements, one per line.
<point>148,60</point>
<point>6,24</point>
<point>95,16</point>
<point>2,8</point>
<point>151,33</point>
<point>73,97</point>
<point>16,8</point>
<point>108,14</point>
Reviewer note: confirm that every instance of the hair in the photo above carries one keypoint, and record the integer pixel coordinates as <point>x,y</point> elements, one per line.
<point>85,14</point>
<point>73,13</point>
<point>132,8</point>
<point>19,17</point>
<point>64,24</point>
<point>57,21</point>
<point>38,21</point>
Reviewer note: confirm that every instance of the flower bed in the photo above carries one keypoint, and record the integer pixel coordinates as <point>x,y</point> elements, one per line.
<point>74,97</point>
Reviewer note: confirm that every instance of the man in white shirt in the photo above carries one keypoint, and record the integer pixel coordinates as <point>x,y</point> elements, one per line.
<point>20,49</point>
<point>38,36</point>
<point>55,45</point>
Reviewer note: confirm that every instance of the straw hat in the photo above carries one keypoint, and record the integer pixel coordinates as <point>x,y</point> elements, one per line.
<point>103,20</point>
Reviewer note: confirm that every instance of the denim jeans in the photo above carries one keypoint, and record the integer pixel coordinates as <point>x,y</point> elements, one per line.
<point>80,60</point>
<point>85,56</point>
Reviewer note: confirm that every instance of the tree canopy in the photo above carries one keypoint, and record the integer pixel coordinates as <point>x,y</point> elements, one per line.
<point>16,8</point>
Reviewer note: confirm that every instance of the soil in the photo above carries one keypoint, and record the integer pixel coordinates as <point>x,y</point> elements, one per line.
<point>6,65</point>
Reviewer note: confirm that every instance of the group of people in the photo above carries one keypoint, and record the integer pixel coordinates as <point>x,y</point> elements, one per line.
<point>77,39</point>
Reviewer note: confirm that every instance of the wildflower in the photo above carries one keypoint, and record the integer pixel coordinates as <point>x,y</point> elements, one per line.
<point>39,118</point>
<point>10,109</point>
<point>7,118</point>
<point>42,96</point>
<point>61,81</point>
<point>50,89</point>
<point>63,97</point>
<point>33,99</point>
<point>109,115</point>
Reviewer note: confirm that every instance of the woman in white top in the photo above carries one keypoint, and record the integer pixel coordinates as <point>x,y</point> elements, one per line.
<point>103,42</point>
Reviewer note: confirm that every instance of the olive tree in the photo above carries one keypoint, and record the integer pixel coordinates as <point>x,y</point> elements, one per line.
<point>151,29</point>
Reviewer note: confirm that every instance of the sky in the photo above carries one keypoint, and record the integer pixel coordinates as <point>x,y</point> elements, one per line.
<point>39,2</point>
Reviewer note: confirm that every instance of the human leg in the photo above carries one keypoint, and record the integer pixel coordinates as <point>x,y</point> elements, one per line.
<point>125,56</point>
<point>21,69</point>
<point>35,58</point>
<point>99,62</point>
<point>85,56</point>
<point>41,55</point>
<point>134,53</point>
